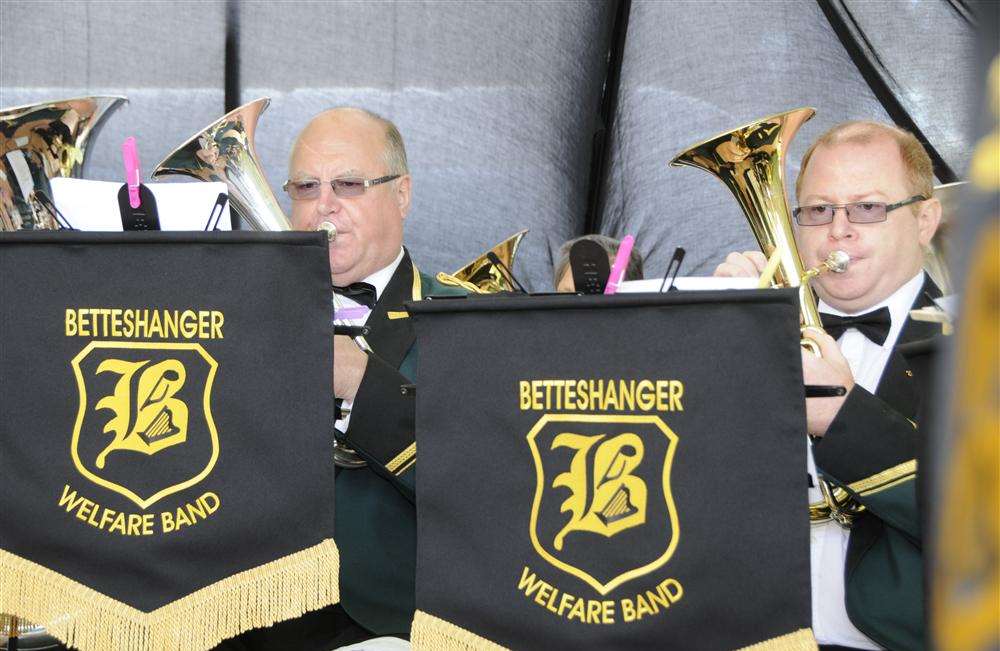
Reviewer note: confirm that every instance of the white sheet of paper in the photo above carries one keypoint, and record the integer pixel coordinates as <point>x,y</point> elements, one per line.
<point>93,205</point>
<point>688,283</point>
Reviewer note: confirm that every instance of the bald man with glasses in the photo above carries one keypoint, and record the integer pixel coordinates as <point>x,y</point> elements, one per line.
<point>348,171</point>
<point>867,189</point>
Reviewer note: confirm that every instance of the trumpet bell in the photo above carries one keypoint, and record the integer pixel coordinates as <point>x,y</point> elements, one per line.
<point>749,160</point>
<point>937,254</point>
<point>39,142</point>
<point>482,274</point>
<point>224,151</point>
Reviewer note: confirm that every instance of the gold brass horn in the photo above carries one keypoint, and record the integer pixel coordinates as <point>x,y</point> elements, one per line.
<point>39,142</point>
<point>224,151</point>
<point>749,161</point>
<point>481,276</point>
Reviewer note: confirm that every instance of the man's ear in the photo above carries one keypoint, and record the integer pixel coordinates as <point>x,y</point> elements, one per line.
<point>928,220</point>
<point>403,195</point>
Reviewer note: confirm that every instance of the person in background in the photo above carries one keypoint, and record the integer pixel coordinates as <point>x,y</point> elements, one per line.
<point>563,274</point>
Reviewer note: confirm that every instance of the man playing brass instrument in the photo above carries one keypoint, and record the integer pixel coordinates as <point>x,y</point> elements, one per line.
<point>866,188</point>
<point>348,168</point>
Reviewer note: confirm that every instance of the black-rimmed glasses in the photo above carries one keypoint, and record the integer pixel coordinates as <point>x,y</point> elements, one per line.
<point>348,186</point>
<point>859,212</point>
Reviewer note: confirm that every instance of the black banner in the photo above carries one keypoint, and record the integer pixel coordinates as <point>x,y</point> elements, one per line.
<point>165,451</point>
<point>612,472</point>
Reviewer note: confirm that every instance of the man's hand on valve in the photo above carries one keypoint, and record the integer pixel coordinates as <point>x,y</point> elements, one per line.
<point>748,264</point>
<point>349,364</point>
<point>831,369</point>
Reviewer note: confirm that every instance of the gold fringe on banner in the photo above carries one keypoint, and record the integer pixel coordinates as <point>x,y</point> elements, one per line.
<point>90,621</point>
<point>800,640</point>
<point>430,633</point>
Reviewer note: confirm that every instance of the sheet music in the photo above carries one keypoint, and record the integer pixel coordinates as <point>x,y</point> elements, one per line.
<point>689,283</point>
<point>93,205</point>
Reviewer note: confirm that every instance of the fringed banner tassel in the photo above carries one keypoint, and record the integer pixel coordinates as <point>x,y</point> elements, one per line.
<point>800,640</point>
<point>430,633</point>
<point>88,620</point>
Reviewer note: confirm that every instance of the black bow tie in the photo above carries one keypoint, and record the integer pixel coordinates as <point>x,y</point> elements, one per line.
<point>360,293</point>
<point>874,325</point>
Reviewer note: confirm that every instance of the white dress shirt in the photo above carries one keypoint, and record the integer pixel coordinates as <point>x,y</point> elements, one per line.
<point>828,541</point>
<point>378,280</point>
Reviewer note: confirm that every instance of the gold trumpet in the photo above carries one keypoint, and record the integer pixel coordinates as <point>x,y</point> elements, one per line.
<point>481,276</point>
<point>39,142</point>
<point>749,161</point>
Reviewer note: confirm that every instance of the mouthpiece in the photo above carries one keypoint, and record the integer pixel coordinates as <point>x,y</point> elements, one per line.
<point>837,261</point>
<point>331,231</point>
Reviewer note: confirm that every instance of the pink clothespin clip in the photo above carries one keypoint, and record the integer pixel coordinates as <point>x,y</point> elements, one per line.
<point>620,265</point>
<point>130,156</point>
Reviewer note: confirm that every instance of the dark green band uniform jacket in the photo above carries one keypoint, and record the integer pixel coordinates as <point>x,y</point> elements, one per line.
<point>871,450</point>
<point>375,526</point>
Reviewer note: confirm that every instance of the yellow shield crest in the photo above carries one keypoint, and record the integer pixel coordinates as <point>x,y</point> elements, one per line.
<point>144,428</point>
<point>603,509</point>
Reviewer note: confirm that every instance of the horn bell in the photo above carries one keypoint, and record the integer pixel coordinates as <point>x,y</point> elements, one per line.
<point>483,274</point>
<point>749,160</point>
<point>39,142</point>
<point>224,151</point>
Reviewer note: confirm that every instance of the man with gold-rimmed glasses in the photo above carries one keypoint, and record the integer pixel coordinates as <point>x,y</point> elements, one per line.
<point>866,189</point>
<point>348,173</point>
